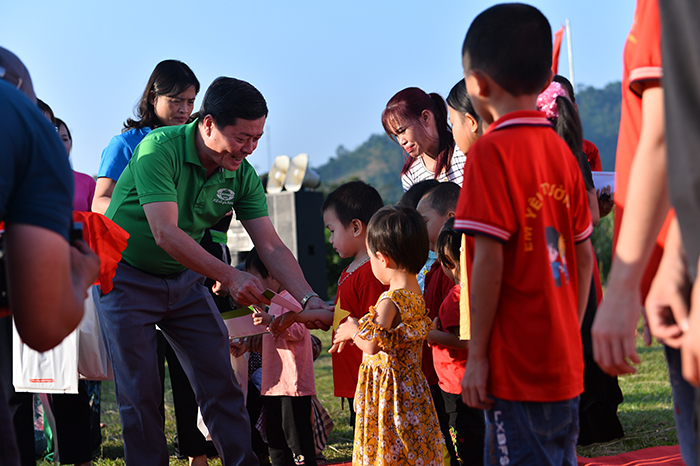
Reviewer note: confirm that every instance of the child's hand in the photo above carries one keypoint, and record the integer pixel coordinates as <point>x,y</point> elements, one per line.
<point>238,347</point>
<point>282,323</point>
<point>261,317</point>
<point>255,343</point>
<point>345,332</point>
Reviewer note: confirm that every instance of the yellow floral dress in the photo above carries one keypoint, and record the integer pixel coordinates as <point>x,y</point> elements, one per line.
<point>396,420</point>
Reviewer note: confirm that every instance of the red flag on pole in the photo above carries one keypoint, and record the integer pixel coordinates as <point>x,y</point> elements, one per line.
<point>558,36</point>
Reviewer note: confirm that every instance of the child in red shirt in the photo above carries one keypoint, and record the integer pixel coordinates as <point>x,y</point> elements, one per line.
<point>524,201</point>
<point>466,425</point>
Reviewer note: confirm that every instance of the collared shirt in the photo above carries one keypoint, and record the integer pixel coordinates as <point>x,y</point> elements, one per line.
<point>166,168</point>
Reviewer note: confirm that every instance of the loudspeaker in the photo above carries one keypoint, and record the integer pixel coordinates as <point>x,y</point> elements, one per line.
<point>297,219</point>
<point>300,175</point>
<point>278,173</point>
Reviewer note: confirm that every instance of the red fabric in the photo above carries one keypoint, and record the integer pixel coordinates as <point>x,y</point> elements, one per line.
<point>642,63</point>
<point>356,293</point>
<point>528,187</point>
<point>437,287</point>
<point>666,456</point>
<point>450,362</point>
<point>107,240</point>
<point>558,36</point>
<point>592,155</point>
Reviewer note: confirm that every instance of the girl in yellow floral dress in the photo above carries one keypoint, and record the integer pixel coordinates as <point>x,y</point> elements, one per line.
<point>396,423</point>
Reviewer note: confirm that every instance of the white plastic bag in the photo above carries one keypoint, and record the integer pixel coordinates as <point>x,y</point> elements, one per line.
<point>93,360</point>
<point>53,371</point>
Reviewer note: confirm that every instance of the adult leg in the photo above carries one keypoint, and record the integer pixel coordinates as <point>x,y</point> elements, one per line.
<point>195,330</point>
<point>128,315</point>
<point>73,437</point>
<point>683,406</point>
<point>20,405</point>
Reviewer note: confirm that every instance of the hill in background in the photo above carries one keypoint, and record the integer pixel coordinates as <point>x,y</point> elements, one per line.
<point>378,160</point>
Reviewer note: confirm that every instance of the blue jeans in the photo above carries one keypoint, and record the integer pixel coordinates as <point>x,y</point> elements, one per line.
<point>184,310</point>
<point>683,406</point>
<point>528,433</point>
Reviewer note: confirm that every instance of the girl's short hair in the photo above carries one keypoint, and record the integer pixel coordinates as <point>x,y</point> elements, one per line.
<point>406,107</point>
<point>169,78</point>
<point>448,244</point>
<point>399,232</point>
<point>254,263</point>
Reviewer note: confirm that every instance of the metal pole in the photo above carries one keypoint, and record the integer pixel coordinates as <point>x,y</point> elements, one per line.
<point>571,53</point>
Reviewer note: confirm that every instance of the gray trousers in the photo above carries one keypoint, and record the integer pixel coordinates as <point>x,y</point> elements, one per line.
<point>184,310</point>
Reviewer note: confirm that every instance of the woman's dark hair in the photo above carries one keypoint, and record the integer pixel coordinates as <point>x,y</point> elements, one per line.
<point>229,99</point>
<point>448,244</point>
<point>60,123</point>
<point>458,98</point>
<point>400,233</point>
<point>169,78</point>
<point>568,127</point>
<point>45,109</point>
<point>405,108</point>
<point>253,262</point>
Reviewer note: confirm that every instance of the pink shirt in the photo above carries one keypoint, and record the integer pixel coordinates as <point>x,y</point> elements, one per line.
<point>84,192</point>
<point>288,363</point>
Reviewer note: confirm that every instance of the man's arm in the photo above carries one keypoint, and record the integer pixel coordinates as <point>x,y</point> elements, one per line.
<point>584,268</point>
<point>162,218</point>
<point>486,290</point>
<point>646,206</point>
<point>47,283</point>
<point>280,261</point>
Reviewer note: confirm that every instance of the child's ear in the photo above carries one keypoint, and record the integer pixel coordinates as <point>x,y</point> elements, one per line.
<point>483,89</point>
<point>472,124</point>
<point>357,227</point>
<point>383,258</point>
<point>450,214</point>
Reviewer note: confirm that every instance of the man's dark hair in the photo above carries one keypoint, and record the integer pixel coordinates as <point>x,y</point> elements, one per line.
<point>229,99</point>
<point>353,200</point>
<point>448,244</point>
<point>512,43</point>
<point>253,262</point>
<point>399,232</point>
<point>443,197</point>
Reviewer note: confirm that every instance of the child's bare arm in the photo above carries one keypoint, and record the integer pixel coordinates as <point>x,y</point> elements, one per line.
<point>584,266</point>
<point>448,338</point>
<point>387,312</point>
<point>486,289</point>
<point>309,316</point>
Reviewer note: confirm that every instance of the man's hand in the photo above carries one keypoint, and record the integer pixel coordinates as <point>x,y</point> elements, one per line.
<point>245,288</point>
<point>614,331</point>
<point>476,375</point>
<point>85,267</point>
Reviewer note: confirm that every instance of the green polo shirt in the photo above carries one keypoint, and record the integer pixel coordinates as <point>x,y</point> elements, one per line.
<point>165,168</point>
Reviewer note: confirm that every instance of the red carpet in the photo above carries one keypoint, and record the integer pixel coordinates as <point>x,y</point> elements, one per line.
<point>665,456</point>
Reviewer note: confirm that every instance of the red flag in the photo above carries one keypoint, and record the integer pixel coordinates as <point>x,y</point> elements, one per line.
<point>558,36</point>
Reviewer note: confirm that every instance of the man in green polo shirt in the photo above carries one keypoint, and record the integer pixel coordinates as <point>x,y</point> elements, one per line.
<point>181,181</point>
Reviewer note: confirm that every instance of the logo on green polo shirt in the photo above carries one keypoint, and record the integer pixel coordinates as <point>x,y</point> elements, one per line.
<point>225,196</point>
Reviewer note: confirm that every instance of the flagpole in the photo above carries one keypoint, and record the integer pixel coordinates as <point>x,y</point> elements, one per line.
<point>571,53</point>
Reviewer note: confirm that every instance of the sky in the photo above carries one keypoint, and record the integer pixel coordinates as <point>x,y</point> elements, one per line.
<point>326,68</point>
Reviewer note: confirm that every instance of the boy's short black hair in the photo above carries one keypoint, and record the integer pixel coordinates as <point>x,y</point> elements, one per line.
<point>512,43</point>
<point>400,233</point>
<point>443,197</point>
<point>253,262</point>
<point>353,200</point>
<point>448,244</point>
<point>415,193</point>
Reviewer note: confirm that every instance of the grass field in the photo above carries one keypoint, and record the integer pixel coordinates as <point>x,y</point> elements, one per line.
<point>646,413</point>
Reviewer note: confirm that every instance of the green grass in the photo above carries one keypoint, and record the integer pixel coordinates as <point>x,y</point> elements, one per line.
<point>646,413</point>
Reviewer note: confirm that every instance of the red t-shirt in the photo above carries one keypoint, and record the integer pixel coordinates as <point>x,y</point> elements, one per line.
<point>356,293</point>
<point>592,155</point>
<point>450,362</point>
<point>531,197</point>
<point>642,63</point>
<point>437,287</point>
